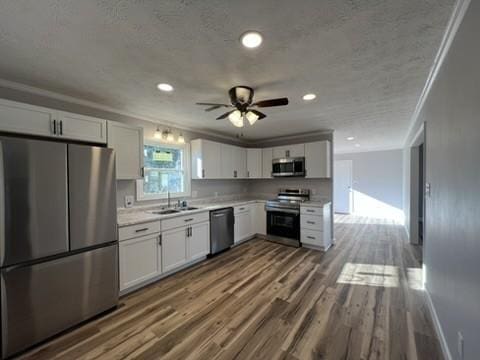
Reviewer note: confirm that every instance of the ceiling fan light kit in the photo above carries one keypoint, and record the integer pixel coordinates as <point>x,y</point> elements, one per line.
<point>241,99</point>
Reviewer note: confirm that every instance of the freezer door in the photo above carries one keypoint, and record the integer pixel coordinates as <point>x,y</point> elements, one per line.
<point>33,199</point>
<point>41,300</point>
<point>93,208</point>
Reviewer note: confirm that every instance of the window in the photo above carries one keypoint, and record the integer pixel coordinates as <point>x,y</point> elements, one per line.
<point>165,170</point>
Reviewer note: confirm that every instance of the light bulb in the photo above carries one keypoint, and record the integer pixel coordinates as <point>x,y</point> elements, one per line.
<point>236,118</point>
<point>181,139</point>
<point>170,137</point>
<point>251,117</point>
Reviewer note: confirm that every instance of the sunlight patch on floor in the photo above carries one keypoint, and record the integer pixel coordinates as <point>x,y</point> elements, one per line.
<point>369,275</point>
<point>415,278</point>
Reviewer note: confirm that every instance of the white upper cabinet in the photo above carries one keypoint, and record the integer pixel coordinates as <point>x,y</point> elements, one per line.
<point>254,163</point>
<point>127,141</point>
<point>227,161</point>
<point>35,120</point>
<point>205,159</point>
<point>289,151</point>
<point>239,162</point>
<point>81,127</point>
<point>267,157</point>
<point>317,159</point>
<point>27,119</point>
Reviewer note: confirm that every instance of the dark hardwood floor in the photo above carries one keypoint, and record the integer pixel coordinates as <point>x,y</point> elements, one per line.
<point>360,300</point>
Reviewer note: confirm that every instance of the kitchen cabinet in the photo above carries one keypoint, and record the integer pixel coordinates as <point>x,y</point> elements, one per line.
<point>226,164</point>
<point>127,141</point>
<point>254,163</point>
<point>206,162</point>
<point>23,118</point>
<point>243,229</point>
<point>317,159</point>
<point>239,162</point>
<point>289,151</point>
<point>174,248</point>
<point>198,243</point>
<point>233,162</point>
<point>315,226</point>
<point>81,127</point>
<point>258,218</point>
<point>140,260</point>
<point>267,157</point>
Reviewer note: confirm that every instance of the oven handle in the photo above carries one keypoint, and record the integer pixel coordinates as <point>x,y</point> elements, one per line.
<point>288,211</point>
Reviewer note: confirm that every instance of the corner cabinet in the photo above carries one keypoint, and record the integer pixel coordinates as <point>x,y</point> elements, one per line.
<point>267,157</point>
<point>23,118</point>
<point>205,159</point>
<point>318,159</point>
<point>243,228</point>
<point>127,141</point>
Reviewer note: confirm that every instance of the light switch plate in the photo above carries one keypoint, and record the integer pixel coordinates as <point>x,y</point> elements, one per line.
<point>128,201</point>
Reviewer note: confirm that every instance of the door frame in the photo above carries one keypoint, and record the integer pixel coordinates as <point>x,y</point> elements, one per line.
<point>418,140</point>
<point>351,207</point>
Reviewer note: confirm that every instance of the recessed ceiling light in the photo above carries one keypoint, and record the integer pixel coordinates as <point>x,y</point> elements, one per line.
<point>165,87</point>
<point>251,39</point>
<point>350,138</point>
<point>357,145</point>
<point>308,97</point>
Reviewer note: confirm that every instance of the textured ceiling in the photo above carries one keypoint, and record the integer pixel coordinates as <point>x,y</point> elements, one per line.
<point>367,60</point>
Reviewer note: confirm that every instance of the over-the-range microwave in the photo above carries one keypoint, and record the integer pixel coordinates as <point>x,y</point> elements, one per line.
<point>288,167</point>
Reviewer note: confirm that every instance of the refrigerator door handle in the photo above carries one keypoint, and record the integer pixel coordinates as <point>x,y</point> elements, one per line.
<point>2,207</point>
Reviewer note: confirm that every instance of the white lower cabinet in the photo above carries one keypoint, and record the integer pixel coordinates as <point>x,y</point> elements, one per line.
<point>315,227</point>
<point>174,246</point>
<point>243,225</point>
<point>259,218</point>
<point>198,243</point>
<point>140,260</point>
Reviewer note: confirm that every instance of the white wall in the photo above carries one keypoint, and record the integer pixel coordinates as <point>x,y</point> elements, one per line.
<point>452,228</point>
<point>377,183</point>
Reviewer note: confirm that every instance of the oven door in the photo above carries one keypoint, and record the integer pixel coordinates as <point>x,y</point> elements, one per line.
<point>283,223</point>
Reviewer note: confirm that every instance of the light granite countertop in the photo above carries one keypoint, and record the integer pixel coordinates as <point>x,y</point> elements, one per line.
<point>142,214</point>
<point>316,203</point>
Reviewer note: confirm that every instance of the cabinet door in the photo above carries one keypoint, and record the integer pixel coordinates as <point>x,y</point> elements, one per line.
<point>80,127</point>
<point>227,161</point>
<point>198,241</point>
<point>317,159</point>
<point>254,163</point>
<point>267,157</point>
<point>259,219</point>
<point>140,260</point>
<point>243,226</point>
<point>174,248</point>
<point>297,150</point>
<point>127,141</point>
<point>205,159</point>
<point>26,119</point>
<point>240,163</point>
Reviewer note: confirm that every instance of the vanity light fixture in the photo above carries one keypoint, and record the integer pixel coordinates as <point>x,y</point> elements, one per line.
<point>157,134</point>
<point>181,139</point>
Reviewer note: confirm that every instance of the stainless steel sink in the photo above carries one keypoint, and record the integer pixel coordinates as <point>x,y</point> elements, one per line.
<point>188,208</point>
<point>164,212</point>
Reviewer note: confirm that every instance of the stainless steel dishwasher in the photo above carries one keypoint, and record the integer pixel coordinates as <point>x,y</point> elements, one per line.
<point>221,229</point>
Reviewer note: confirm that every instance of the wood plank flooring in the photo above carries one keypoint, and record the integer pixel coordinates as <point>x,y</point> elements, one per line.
<point>360,300</point>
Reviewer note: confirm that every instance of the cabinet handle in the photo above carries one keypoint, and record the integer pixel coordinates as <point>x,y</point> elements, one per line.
<point>248,174</point>
<point>54,127</point>
<point>191,231</point>
<point>311,211</point>
<point>141,230</point>
<point>235,173</point>
<point>241,209</point>
<point>187,220</point>
<point>287,153</point>
<point>311,222</point>
<point>142,171</point>
<point>310,237</point>
<point>203,173</point>
<point>160,239</point>
<point>60,125</point>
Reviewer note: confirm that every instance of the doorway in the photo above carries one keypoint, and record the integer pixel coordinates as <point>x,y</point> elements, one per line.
<point>342,186</point>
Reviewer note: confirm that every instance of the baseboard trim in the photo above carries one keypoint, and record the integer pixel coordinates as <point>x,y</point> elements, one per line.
<point>438,328</point>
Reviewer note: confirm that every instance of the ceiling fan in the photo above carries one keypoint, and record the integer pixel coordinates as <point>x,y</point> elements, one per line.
<point>241,98</point>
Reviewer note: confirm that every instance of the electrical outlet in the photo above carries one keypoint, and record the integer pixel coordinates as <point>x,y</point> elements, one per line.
<point>460,345</point>
<point>128,201</point>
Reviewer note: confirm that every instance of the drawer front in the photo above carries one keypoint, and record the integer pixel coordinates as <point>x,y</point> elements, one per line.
<point>185,220</point>
<point>311,237</point>
<point>130,232</point>
<point>311,211</point>
<point>241,209</point>
<point>311,222</point>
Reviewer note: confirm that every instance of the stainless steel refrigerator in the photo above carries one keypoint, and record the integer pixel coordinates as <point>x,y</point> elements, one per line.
<point>58,242</point>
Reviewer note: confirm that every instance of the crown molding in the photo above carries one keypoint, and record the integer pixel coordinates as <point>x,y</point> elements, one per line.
<point>289,137</point>
<point>91,104</point>
<point>453,24</point>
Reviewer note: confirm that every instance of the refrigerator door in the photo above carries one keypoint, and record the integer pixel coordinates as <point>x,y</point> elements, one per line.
<point>33,200</point>
<point>93,207</point>
<point>41,300</point>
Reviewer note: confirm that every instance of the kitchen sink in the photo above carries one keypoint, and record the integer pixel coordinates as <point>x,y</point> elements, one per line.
<point>164,212</point>
<point>188,208</point>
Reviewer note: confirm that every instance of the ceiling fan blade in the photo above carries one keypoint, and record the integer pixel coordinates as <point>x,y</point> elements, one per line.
<point>259,114</point>
<point>271,102</point>
<point>221,117</point>
<point>205,103</point>
<point>214,107</point>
